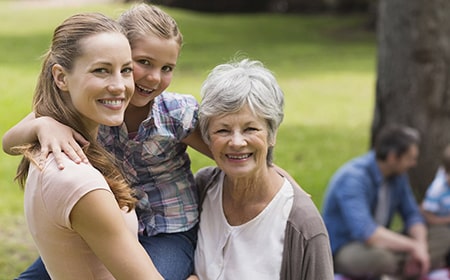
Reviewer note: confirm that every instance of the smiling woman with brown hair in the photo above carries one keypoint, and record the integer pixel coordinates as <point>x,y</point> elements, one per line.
<point>82,218</point>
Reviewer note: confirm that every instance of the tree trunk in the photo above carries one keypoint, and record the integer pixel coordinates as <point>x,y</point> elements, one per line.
<point>413,77</point>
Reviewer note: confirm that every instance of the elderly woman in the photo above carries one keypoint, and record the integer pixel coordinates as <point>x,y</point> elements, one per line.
<point>255,223</point>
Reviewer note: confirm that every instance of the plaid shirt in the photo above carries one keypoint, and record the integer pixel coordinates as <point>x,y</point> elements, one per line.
<point>157,165</point>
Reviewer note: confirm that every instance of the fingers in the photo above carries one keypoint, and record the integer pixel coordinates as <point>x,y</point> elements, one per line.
<point>60,139</point>
<point>42,157</point>
<point>44,154</point>
<point>80,141</point>
<point>75,152</point>
<point>71,149</point>
<point>57,153</point>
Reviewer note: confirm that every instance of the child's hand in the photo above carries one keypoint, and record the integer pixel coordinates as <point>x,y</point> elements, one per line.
<point>57,138</point>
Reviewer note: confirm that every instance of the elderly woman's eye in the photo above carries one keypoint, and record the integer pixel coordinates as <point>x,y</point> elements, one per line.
<point>221,131</point>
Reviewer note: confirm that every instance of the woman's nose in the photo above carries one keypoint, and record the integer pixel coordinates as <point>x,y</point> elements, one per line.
<point>237,139</point>
<point>117,86</point>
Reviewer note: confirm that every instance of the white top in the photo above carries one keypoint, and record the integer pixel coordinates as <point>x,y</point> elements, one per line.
<point>437,197</point>
<point>50,196</point>
<point>249,251</point>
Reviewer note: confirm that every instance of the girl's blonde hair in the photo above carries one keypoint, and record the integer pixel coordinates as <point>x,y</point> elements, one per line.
<point>143,19</point>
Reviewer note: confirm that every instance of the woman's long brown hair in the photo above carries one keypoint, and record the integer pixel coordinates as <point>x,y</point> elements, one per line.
<point>48,100</point>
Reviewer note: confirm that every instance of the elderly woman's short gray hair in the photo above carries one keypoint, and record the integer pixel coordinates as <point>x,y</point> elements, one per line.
<point>231,86</point>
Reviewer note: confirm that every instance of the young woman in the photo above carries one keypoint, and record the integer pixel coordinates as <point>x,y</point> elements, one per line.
<point>82,218</point>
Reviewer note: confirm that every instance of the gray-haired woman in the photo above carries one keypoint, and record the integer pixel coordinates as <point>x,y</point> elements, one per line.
<point>255,223</point>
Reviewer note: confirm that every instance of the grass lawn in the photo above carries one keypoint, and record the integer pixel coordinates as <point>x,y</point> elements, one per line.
<point>325,65</point>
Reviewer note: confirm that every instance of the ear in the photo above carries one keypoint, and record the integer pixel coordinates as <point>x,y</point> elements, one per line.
<point>60,77</point>
<point>391,157</point>
<point>273,139</point>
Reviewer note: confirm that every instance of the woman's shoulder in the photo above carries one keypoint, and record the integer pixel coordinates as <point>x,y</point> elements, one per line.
<point>204,179</point>
<point>305,216</point>
<point>73,174</point>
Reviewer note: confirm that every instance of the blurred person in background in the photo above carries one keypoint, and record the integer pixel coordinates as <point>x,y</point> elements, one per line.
<point>359,205</point>
<point>436,210</point>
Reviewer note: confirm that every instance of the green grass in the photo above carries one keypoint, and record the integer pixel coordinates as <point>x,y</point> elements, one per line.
<point>325,65</point>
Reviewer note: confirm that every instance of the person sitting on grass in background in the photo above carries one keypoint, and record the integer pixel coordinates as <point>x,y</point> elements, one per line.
<point>436,210</point>
<point>150,145</point>
<point>255,222</point>
<point>82,218</point>
<point>359,205</point>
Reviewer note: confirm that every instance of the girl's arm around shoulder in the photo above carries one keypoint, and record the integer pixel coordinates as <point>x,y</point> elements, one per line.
<point>195,141</point>
<point>53,137</point>
<point>98,219</point>
<point>22,133</point>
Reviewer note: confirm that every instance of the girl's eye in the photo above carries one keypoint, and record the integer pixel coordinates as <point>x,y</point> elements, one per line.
<point>144,62</point>
<point>167,69</point>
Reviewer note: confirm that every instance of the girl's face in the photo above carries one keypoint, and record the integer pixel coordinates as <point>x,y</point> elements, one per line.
<point>154,61</point>
<point>239,143</point>
<point>100,85</point>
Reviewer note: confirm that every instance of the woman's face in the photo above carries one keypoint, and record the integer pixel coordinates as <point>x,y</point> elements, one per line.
<point>239,143</point>
<point>101,81</point>
<point>154,61</point>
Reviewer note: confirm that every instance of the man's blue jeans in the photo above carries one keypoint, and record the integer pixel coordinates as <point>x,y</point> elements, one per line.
<point>172,254</point>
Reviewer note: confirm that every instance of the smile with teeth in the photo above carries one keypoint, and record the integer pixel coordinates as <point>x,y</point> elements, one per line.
<point>112,102</point>
<point>144,90</point>
<point>244,156</point>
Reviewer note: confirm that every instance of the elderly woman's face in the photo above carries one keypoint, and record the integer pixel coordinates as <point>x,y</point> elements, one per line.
<point>239,142</point>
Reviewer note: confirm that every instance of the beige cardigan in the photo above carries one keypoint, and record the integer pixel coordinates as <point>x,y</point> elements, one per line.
<point>307,253</point>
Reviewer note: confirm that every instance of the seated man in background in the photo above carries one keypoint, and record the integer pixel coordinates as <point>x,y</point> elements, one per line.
<point>436,210</point>
<point>360,203</point>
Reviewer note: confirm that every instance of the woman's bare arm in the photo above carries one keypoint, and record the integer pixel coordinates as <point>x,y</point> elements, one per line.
<point>195,141</point>
<point>98,219</point>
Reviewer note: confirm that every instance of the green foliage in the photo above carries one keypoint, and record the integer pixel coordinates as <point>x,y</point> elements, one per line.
<point>324,63</point>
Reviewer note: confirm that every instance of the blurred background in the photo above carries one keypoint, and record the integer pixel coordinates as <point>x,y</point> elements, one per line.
<point>347,67</point>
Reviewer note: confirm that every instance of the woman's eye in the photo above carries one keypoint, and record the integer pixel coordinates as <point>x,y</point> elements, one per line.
<point>251,129</point>
<point>127,70</point>
<point>221,131</point>
<point>101,70</point>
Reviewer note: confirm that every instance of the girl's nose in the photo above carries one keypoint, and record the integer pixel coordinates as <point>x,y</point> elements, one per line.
<point>154,76</point>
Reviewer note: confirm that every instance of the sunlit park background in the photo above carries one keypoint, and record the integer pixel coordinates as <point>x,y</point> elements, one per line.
<point>324,63</point>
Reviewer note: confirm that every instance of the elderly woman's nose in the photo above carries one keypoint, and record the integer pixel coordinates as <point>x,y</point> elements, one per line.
<point>237,139</point>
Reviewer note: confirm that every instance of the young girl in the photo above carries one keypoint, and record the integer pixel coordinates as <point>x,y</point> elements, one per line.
<point>150,145</point>
<point>81,218</point>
